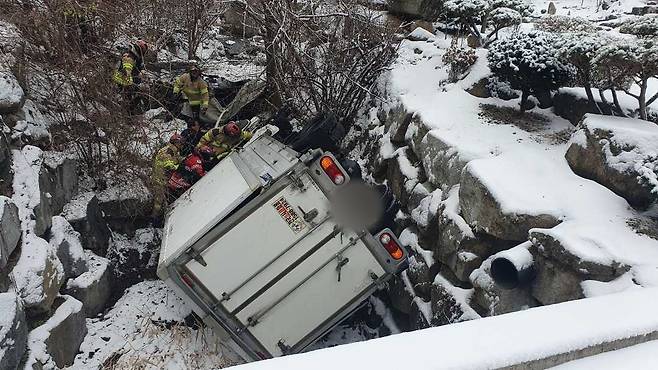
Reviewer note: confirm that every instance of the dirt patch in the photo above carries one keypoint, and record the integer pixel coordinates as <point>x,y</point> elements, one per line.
<point>559,137</point>
<point>648,227</point>
<point>528,121</point>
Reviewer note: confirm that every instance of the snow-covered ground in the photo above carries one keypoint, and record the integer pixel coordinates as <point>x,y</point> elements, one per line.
<point>496,342</point>
<point>147,329</point>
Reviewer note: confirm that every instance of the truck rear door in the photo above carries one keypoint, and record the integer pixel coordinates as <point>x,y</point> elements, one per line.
<point>285,269</point>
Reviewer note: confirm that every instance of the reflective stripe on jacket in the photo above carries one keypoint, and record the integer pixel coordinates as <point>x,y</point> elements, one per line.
<point>221,143</point>
<point>166,160</point>
<point>123,74</point>
<point>196,92</point>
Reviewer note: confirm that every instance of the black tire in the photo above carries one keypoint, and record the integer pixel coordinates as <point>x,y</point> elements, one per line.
<point>323,132</point>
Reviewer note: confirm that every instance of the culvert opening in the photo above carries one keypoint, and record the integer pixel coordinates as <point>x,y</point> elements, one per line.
<point>504,273</point>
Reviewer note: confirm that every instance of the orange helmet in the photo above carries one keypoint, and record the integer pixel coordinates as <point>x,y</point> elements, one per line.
<point>232,129</point>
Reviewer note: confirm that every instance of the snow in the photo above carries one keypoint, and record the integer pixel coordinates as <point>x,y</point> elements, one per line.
<point>11,93</point>
<point>520,257</point>
<point>76,208</point>
<point>451,212</point>
<point>493,342</point>
<point>97,266</point>
<point>146,328</point>
<point>34,124</point>
<point>410,239</point>
<point>639,356</point>
<point>8,308</point>
<point>61,231</point>
<point>427,209</point>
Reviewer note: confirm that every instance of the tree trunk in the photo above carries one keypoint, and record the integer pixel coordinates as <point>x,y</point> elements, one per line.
<point>524,99</point>
<point>643,99</point>
<point>605,101</point>
<point>590,97</point>
<point>615,99</point>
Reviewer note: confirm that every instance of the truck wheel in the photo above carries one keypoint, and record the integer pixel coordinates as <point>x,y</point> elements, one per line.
<point>323,132</point>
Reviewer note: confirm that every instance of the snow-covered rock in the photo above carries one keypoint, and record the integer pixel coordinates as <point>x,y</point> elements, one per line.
<point>619,153</point>
<point>29,126</point>
<point>33,204</point>
<point>403,174</point>
<point>5,159</point>
<point>83,212</point>
<point>450,304</point>
<point>485,213</point>
<point>133,260</point>
<point>93,287</point>
<point>123,204</point>
<point>10,229</point>
<point>560,272</point>
<point>66,243</point>
<point>13,331</point>
<point>440,159</point>
<point>58,178</point>
<point>11,93</point>
<point>38,274</point>
<point>55,343</point>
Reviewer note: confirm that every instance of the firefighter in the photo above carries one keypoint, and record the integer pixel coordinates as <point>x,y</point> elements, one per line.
<point>194,89</point>
<point>222,139</point>
<point>127,74</point>
<point>167,160</point>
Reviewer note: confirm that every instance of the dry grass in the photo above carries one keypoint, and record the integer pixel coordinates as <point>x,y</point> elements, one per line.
<point>528,121</point>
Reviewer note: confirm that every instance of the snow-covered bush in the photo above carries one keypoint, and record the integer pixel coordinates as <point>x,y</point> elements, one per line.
<point>563,23</point>
<point>624,62</point>
<point>643,26</point>
<point>530,63</point>
<point>475,16</point>
<point>459,59</point>
<point>579,49</point>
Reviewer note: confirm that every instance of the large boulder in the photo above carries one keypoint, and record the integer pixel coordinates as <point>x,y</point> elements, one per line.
<point>450,304</point>
<point>38,274</point>
<point>6,175</point>
<point>29,126</point>
<point>83,212</point>
<point>11,93</point>
<point>13,331</point>
<point>58,340</point>
<point>126,207</point>
<point>404,172</point>
<point>66,242</point>
<point>59,178</point>
<point>133,260</point>
<point>442,162</point>
<point>486,213</point>
<point>33,203</point>
<point>10,229</point>
<point>92,288</point>
<point>620,154</point>
<point>425,9</point>
<point>560,271</point>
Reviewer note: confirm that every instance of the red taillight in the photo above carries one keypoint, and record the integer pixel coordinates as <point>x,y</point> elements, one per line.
<point>391,246</point>
<point>331,169</point>
<point>187,280</point>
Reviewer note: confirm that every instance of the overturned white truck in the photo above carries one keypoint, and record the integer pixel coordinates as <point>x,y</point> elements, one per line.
<point>255,251</point>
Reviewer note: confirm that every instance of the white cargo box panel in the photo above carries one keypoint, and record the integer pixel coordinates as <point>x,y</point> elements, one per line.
<point>259,255</point>
<point>218,193</point>
<point>201,207</point>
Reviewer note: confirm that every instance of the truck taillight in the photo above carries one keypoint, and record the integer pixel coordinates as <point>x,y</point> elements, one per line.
<point>391,246</point>
<point>187,280</point>
<point>332,170</point>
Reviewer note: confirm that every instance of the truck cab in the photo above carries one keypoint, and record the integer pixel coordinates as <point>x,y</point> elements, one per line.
<point>255,251</point>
